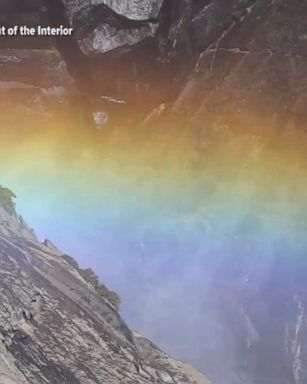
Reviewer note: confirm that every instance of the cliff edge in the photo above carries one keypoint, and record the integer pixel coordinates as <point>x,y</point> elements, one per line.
<point>59,325</point>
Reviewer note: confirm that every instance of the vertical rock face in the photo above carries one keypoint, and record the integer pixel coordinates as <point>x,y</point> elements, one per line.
<point>146,64</point>
<point>186,53</point>
<point>263,322</point>
<point>254,62</point>
<point>134,9</point>
<point>58,326</point>
<point>249,78</point>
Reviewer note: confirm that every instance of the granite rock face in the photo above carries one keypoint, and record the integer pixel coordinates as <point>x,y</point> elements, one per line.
<point>253,62</point>
<point>186,54</point>
<point>134,9</point>
<point>146,64</point>
<point>57,327</point>
<point>195,53</point>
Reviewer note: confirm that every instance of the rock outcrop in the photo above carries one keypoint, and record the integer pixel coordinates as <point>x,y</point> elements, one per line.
<point>57,325</point>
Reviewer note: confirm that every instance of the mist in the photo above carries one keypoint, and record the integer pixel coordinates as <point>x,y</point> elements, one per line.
<point>197,275</point>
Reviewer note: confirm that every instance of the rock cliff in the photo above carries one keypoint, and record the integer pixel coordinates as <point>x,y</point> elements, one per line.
<point>189,55</point>
<point>58,326</point>
<point>235,64</point>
